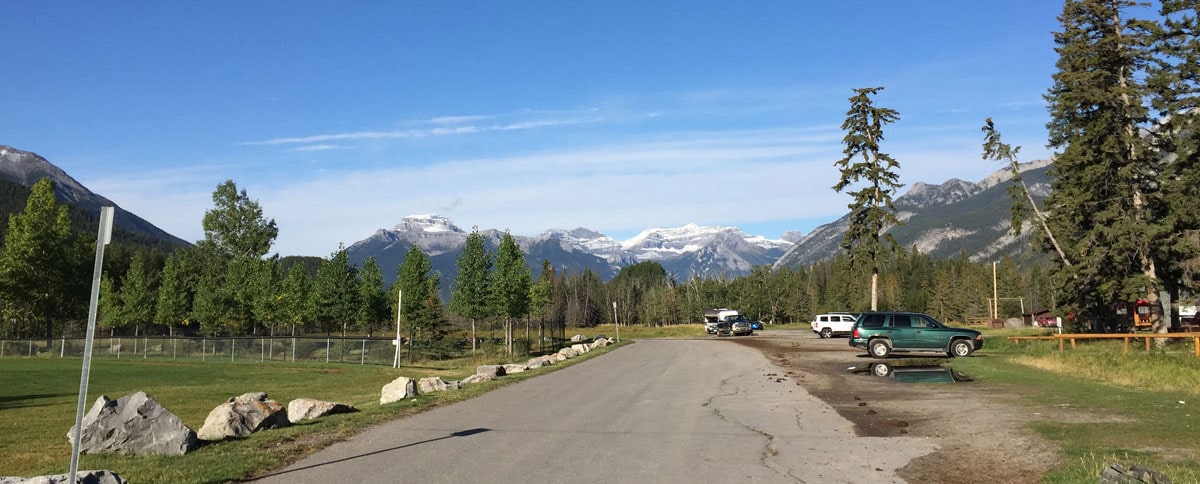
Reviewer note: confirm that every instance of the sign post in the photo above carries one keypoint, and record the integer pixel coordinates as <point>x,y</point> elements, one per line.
<point>103,237</point>
<point>616,325</point>
<point>399,308</point>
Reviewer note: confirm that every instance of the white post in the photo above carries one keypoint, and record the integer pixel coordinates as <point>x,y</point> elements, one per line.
<point>615,324</point>
<point>995,294</point>
<point>102,239</point>
<point>399,307</point>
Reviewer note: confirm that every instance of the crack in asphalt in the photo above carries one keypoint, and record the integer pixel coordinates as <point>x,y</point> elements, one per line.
<point>769,449</point>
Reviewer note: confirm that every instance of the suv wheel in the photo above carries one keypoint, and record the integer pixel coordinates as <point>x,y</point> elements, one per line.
<point>826,333</point>
<point>879,348</point>
<point>961,348</point>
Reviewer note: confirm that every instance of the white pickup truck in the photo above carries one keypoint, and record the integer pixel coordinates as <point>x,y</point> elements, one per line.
<point>830,324</point>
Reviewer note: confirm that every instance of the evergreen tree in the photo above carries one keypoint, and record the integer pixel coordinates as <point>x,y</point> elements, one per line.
<point>871,211</point>
<point>1174,82</point>
<point>1106,188</point>
<point>541,296</point>
<point>511,285</point>
<point>1022,200</point>
<point>471,295</point>
<point>44,264</point>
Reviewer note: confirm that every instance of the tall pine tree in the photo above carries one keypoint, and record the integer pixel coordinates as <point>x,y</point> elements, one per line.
<point>871,211</point>
<point>1106,189</point>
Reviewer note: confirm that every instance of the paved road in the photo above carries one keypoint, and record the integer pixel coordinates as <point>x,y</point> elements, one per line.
<point>656,411</point>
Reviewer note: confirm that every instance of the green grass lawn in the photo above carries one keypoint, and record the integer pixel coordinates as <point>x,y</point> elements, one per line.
<point>1135,408</point>
<point>38,398</point>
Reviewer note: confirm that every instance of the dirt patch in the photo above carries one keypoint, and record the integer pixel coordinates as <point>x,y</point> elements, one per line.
<point>981,428</point>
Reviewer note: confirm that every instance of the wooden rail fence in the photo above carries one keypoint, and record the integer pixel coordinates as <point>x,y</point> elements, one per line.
<point>1063,338</point>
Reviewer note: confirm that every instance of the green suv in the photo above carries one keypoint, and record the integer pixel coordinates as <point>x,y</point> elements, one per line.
<point>883,333</point>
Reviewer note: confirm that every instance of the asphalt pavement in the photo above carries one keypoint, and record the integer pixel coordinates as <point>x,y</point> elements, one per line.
<point>655,411</point>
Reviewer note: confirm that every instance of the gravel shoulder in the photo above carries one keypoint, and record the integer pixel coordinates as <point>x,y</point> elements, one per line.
<point>980,429</point>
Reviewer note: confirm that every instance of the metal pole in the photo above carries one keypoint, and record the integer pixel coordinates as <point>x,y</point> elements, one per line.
<point>399,307</point>
<point>362,360</point>
<point>327,349</point>
<point>615,324</point>
<point>102,239</point>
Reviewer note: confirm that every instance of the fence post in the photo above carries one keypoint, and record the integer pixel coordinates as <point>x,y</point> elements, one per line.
<point>327,349</point>
<point>362,357</point>
<point>232,348</point>
<point>145,346</point>
<point>62,350</point>
<point>262,350</point>
<point>203,348</point>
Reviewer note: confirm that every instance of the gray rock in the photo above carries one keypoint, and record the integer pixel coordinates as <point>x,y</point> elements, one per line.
<point>580,348</point>
<point>398,389</point>
<point>81,477</point>
<point>514,368</point>
<point>133,424</point>
<point>1138,474</point>
<point>490,370</point>
<point>242,415</point>
<point>476,378</point>
<point>579,338</point>
<point>568,353</point>
<point>307,409</point>
<point>435,384</point>
<point>535,363</point>
<point>599,343</point>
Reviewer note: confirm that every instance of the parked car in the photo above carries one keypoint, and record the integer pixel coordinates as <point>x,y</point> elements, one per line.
<point>756,325</point>
<point>882,333</point>
<point>738,326</point>
<point>830,324</point>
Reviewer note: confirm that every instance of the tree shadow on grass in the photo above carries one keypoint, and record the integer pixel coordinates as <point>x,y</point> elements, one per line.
<point>19,401</point>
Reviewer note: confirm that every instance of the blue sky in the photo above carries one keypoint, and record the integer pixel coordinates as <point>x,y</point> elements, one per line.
<point>615,116</point>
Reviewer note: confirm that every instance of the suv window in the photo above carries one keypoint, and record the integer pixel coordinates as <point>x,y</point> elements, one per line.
<point>901,321</point>
<point>872,320</point>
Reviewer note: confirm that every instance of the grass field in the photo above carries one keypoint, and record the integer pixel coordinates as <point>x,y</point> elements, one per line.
<point>38,398</point>
<point>1142,406</point>
<point>1136,408</point>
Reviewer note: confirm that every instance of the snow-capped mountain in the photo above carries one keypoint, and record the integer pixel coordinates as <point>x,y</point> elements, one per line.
<point>684,251</point>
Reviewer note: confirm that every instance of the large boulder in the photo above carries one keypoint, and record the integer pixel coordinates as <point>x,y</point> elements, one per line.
<point>398,389</point>
<point>133,424</point>
<point>432,384</point>
<point>308,408</point>
<point>569,353</point>
<point>243,415</point>
<point>580,348</point>
<point>535,363</point>
<point>81,477</point>
<point>579,338</point>
<point>1137,474</point>
<point>514,368</point>
<point>490,370</point>
<point>476,378</point>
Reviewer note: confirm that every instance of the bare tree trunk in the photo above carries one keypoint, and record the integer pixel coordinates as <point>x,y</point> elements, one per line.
<point>473,349</point>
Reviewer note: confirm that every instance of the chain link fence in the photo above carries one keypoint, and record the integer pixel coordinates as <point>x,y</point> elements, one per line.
<point>315,349</point>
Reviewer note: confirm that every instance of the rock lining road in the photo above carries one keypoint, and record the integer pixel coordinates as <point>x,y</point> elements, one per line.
<point>660,411</point>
